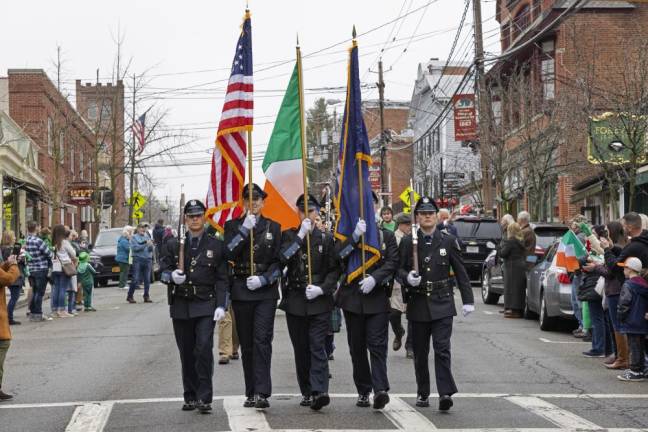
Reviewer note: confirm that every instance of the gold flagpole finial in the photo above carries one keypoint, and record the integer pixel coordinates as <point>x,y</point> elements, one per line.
<point>247,6</point>
<point>354,34</point>
<point>297,39</point>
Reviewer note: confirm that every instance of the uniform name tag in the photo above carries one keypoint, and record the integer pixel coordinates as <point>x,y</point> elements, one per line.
<point>210,253</point>
<point>443,252</point>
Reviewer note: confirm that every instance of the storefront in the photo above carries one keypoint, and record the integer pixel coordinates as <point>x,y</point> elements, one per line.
<point>21,182</point>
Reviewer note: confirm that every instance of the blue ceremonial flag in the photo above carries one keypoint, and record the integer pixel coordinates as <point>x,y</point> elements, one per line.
<point>353,189</point>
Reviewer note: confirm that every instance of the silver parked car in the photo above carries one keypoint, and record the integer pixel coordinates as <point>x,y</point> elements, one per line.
<point>549,291</point>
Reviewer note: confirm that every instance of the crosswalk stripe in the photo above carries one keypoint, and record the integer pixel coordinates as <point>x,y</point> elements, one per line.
<point>90,417</point>
<point>405,417</point>
<point>244,419</point>
<point>556,415</point>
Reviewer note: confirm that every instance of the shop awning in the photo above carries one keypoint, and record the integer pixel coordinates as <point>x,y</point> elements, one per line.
<point>589,191</point>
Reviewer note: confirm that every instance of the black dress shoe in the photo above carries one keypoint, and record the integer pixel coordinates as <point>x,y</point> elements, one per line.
<point>320,401</point>
<point>363,401</point>
<point>261,402</point>
<point>331,357</point>
<point>235,356</point>
<point>445,403</point>
<point>4,396</point>
<point>398,343</point>
<point>380,400</point>
<point>189,406</point>
<point>249,402</point>
<point>422,402</point>
<point>14,322</point>
<point>409,354</point>
<point>203,408</point>
<point>306,401</point>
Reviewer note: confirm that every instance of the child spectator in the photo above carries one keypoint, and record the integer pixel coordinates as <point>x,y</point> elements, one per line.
<point>86,273</point>
<point>633,304</point>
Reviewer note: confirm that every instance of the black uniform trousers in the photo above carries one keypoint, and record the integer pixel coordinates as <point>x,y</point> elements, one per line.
<point>195,340</point>
<point>308,337</point>
<point>368,332</point>
<point>440,331</point>
<point>255,327</point>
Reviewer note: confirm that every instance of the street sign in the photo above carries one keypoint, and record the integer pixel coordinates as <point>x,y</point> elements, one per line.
<point>453,176</point>
<point>81,195</point>
<point>137,200</point>
<point>374,176</point>
<point>138,214</point>
<point>405,197</point>
<point>465,117</point>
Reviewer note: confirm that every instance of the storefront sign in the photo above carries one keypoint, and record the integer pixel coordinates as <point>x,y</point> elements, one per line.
<point>374,176</point>
<point>465,118</point>
<point>609,139</point>
<point>81,196</point>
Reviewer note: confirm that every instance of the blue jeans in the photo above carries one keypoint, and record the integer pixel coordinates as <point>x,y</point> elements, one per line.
<point>71,301</point>
<point>578,313</point>
<point>38,281</point>
<point>15,295</point>
<point>61,284</point>
<point>613,304</point>
<point>141,273</point>
<point>598,326</point>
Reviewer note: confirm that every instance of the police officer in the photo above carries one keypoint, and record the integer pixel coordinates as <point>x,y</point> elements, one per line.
<point>197,298</point>
<point>365,303</point>
<point>254,292</point>
<point>308,306</point>
<point>430,300</point>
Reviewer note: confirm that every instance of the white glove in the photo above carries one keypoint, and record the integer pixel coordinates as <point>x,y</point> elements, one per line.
<point>305,228</point>
<point>219,314</point>
<point>313,291</point>
<point>254,283</point>
<point>367,284</point>
<point>178,277</point>
<point>467,309</point>
<point>413,278</point>
<point>360,228</point>
<point>249,222</point>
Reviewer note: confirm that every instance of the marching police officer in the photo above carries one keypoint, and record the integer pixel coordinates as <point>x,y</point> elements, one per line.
<point>365,303</point>
<point>308,306</point>
<point>254,292</point>
<point>430,300</point>
<point>197,298</point>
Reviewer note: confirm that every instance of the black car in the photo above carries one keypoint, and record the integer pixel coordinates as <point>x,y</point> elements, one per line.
<point>479,236</point>
<point>102,257</point>
<point>492,277</point>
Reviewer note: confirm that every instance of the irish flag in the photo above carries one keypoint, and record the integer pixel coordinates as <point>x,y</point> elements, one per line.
<point>282,163</point>
<point>570,250</point>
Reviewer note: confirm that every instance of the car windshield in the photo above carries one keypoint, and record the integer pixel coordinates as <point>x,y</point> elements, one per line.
<point>108,238</point>
<point>478,229</point>
<point>545,237</point>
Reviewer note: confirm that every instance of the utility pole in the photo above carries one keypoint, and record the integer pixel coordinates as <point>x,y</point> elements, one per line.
<point>383,149</point>
<point>484,111</point>
<point>132,158</point>
<point>441,178</point>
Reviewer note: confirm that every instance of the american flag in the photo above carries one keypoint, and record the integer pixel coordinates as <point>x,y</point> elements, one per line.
<point>138,131</point>
<point>228,161</point>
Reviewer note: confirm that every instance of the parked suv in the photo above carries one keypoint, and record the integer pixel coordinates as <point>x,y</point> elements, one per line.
<point>493,279</point>
<point>479,236</point>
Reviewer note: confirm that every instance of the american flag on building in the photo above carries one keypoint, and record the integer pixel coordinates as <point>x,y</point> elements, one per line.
<point>139,132</point>
<point>228,161</point>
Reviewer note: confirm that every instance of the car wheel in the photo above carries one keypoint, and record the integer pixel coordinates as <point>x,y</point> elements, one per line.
<point>487,296</point>
<point>528,313</point>
<point>546,322</point>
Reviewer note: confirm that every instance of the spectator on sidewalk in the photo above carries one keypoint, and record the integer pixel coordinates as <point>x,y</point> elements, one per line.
<point>587,295</point>
<point>387,219</point>
<point>228,343</point>
<point>123,257</point>
<point>506,220</point>
<point>64,255</point>
<point>513,252</point>
<point>141,250</point>
<point>86,274</point>
<point>528,238</point>
<point>397,304</point>
<point>39,265</point>
<point>9,272</point>
<point>7,246</point>
<point>158,234</point>
<point>445,222</point>
<point>633,305</point>
<point>577,278</point>
<point>74,283</point>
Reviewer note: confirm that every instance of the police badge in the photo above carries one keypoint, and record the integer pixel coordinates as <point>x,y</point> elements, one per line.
<point>269,236</point>
<point>443,252</point>
<point>210,253</point>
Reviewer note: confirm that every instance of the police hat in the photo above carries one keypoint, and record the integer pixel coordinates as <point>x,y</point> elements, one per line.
<point>256,190</point>
<point>313,204</point>
<point>426,204</point>
<point>194,207</point>
<point>403,218</point>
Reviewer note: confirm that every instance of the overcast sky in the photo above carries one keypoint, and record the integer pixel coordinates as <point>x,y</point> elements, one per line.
<point>191,44</point>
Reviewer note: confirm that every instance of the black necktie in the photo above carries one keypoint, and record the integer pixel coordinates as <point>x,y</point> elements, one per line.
<point>194,243</point>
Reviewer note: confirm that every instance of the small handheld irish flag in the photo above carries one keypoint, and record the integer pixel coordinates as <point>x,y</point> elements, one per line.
<point>570,250</point>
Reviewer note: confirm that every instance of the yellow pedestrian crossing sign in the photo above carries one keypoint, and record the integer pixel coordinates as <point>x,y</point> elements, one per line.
<point>138,214</point>
<point>405,197</point>
<point>137,201</point>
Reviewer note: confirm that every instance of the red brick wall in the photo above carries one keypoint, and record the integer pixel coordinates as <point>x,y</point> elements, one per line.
<point>400,162</point>
<point>32,99</point>
<point>395,118</point>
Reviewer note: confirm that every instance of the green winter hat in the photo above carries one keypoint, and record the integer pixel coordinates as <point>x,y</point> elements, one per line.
<point>83,257</point>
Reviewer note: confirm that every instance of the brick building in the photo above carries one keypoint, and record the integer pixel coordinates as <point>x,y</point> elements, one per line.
<point>102,106</point>
<point>65,144</point>
<point>563,49</point>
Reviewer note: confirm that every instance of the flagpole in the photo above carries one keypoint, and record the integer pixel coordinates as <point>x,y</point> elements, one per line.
<point>249,151</point>
<point>303,158</point>
<point>360,185</point>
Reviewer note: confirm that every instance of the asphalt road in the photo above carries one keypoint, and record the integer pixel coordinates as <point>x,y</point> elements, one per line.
<point>118,370</point>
